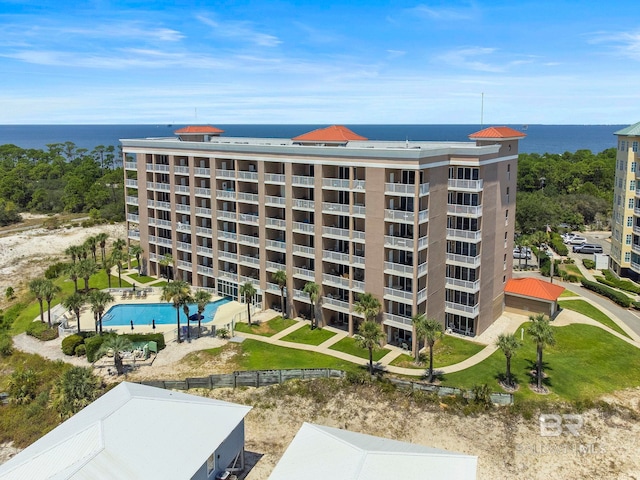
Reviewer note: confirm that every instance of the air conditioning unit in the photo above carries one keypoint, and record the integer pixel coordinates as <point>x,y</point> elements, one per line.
<point>225,185</point>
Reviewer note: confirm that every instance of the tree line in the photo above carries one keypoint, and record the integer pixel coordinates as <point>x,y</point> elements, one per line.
<point>570,188</point>
<point>63,178</point>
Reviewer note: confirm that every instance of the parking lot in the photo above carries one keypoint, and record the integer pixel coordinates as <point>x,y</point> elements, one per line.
<point>599,238</point>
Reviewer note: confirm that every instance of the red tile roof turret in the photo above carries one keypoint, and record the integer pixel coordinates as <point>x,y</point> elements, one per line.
<point>198,129</point>
<point>502,133</point>
<point>332,134</point>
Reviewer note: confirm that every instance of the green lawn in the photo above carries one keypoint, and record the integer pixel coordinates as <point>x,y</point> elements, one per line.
<point>572,269</point>
<point>585,363</point>
<point>568,293</point>
<point>349,345</point>
<point>32,310</point>
<point>141,278</point>
<point>266,329</point>
<point>264,356</point>
<point>309,337</point>
<point>593,312</point>
<point>448,350</point>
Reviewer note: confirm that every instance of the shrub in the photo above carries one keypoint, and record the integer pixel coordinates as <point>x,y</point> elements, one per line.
<point>55,270</point>
<point>558,245</point>
<point>92,345</point>
<point>41,331</point>
<point>6,345</point>
<point>222,333</point>
<point>10,293</point>
<point>618,297</point>
<point>70,343</point>
<point>590,264</point>
<point>147,337</point>
<point>81,350</point>
<point>23,386</point>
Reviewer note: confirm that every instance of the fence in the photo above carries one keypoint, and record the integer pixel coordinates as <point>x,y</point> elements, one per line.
<point>263,378</point>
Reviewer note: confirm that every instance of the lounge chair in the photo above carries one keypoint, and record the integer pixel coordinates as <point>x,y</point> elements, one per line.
<point>124,296</point>
<point>144,294</point>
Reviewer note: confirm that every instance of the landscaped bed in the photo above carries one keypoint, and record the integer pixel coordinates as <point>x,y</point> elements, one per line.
<point>266,329</point>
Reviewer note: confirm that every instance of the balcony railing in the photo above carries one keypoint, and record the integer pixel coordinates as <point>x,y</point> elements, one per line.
<point>357,260</point>
<point>399,216</point>
<point>273,288</point>
<point>390,318</point>
<point>160,240</point>
<point>185,265</point>
<point>334,280</point>
<point>335,304</point>
<point>226,194</point>
<point>423,216</point>
<point>274,178</point>
<point>272,200</point>
<point>328,207</point>
<point>335,232</point>
<point>301,204</point>
<point>132,200</point>
<point>276,223</point>
<point>400,295</point>
<point>132,183</point>
<point>225,173</point>
<point>422,269</point>
<point>228,276</point>
<point>458,308</point>
<point>470,210</point>
<point>357,286</point>
<point>358,185</point>
<point>205,270</point>
<point>228,256</point>
<point>204,231</point>
<point>423,242</point>
<point>398,242</point>
<point>202,172</point>
<point>302,181</point>
<point>304,273</point>
<point>183,246</point>
<point>275,266</point>
<point>134,234</point>
<point>206,251</point>
<point>398,269</point>
<point>182,189</point>
<point>466,235</point>
<point>247,176</point>
<point>184,227</point>
<point>461,184</point>
<point>399,189</point>
<point>226,215</point>
<point>224,235</point>
<point>202,192</point>
<point>359,210</point>
<point>339,183</point>
<point>183,207</point>
<point>181,169</point>
<point>247,260</point>
<point>130,165</point>
<point>464,259</point>
<point>466,285</point>
<point>424,189</point>
<point>301,295</point>
<point>303,227</point>
<point>304,251</point>
<point>132,217</point>
<point>276,245</point>
<point>203,211</point>
<point>248,197</point>
<point>248,240</point>
<point>248,218</point>
<point>338,257</point>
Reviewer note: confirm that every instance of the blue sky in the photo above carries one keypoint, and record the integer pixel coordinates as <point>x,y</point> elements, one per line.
<point>324,62</point>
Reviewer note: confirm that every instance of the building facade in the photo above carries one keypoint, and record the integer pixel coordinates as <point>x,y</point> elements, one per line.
<point>625,222</point>
<point>426,227</point>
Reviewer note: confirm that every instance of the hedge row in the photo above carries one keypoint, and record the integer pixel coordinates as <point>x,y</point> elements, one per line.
<point>618,297</point>
<point>41,331</point>
<point>626,285</point>
<point>558,245</point>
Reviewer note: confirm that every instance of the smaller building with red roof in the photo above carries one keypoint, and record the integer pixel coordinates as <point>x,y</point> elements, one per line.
<point>333,135</point>
<point>198,133</point>
<point>532,296</point>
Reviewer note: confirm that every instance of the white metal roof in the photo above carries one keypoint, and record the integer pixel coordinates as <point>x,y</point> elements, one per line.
<point>133,431</point>
<point>319,452</point>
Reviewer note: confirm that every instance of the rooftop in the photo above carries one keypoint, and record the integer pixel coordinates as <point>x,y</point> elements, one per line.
<point>501,133</point>
<point>535,288</point>
<point>630,131</point>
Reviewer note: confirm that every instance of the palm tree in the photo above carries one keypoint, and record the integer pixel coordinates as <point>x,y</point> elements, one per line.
<point>430,330</point>
<point>115,344</point>
<point>178,293</point>
<point>201,297</point>
<point>137,250</point>
<point>165,261</point>
<point>37,288</point>
<point>108,264</point>
<point>313,290</point>
<point>49,291</point>
<point>370,336</point>
<point>99,300</point>
<point>73,272</point>
<point>280,277</point>
<point>118,257</point>
<point>74,303</point>
<point>91,245</point>
<point>542,333</point>
<point>509,344</point>
<point>76,389</point>
<point>101,238</point>
<point>74,251</point>
<point>248,291</point>
<point>367,305</point>
<point>119,244</point>
<point>86,268</point>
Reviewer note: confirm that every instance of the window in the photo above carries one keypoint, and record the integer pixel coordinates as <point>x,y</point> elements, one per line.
<point>506,217</point>
<point>634,165</point>
<point>632,185</point>
<point>628,240</point>
<point>635,147</point>
<point>631,203</point>
<point>627,256</point>
<point>629,221</point>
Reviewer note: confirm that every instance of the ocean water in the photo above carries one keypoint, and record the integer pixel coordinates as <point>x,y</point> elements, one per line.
<point>540,138</point>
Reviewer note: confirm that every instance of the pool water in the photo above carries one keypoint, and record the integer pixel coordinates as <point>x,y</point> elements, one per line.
<point>162,313</point>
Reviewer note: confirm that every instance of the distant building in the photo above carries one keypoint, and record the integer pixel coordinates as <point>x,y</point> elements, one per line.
<point>625,222</point>
<point>138,432</point>
<point>426,227</point>
<point>321,453</point>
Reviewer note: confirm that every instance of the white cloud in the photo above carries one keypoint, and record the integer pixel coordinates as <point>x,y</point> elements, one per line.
<point>239,30</point>
<point>445,13</point>
<point>625,43</point>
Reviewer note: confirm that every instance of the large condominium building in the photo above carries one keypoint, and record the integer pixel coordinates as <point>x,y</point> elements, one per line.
<point>426,227</point>
<point>625,236</point>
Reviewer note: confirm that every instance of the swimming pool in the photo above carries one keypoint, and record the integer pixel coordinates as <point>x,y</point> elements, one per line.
<point>163,313</point>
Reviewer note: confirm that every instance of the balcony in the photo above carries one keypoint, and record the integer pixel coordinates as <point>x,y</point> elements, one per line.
<point>132,200</point>
<point>336,183</point>
<point>247,176</point>
<point>359,210</point>
<point>185,265</point>
<point>158,222</point>
<point>184,246</point>
<point>424,189</point>
<point>423,242</point>
<point>230,236</point>
<point>422,269</point>
<point>465,185</point>
<point>250,218</point>
<point>226,194</point>
<point>225,174</point>
<point>182,189</point>
<point>459,309</point>
<point>357,236</point>
<point>636,229</point>
<point>275,266</point>
<point>335,304</point>
<point>132,217</point>
<point>335,208</point>
<point>399,216</point>
<point>276,223</point>
<point>404,189</point>
<point>276,245</point>
<point>302,181</point>
<point>464,235</point>
<point>273,288</point>
<point>357,286</point>
<point>334,232</point>
<point>160,241</point>
<point>184,227</point>
<point>335,280</point>
<point>276,178</point>
<point>132,183</point>
<point>306,205</point>
<point>205,270</point>
<point>204,231</point>
<point>205,251</point>
<point>183,207</point>
<point>226,215</point>
<point>303,251</point>
<point>304,273</point>
<point>392,268</point>
<point>304,227</point>
<point>203,211</point>
<point>202,192</point>
<point>423,216</point>
<point>130,166</point>
<point>248,197</point>
<point>202,172</point>
<point>133,234</point>
<point>398,295</point>
<point>463,260</point>
<point>357,260</point>
<point>249,240</point>
<point>398,321</point>
<point>358,185</point>
<point>228,276</point>
<point>465,210</point>
<point>398,242</point>
<point>249,261</point>
<point>228,256</point>
<point>465,285</point>
<point>273,201</point>
<point>182,169</point>
<point>301,295</point>
<point>163,187</point>
<point>635,248</point>
<point>336,257</point>
<point>157,168</point>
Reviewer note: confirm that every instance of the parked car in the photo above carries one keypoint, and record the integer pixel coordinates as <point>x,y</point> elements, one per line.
<point>522,253</point>
<point>588,248</point>
<point>577,240</point>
